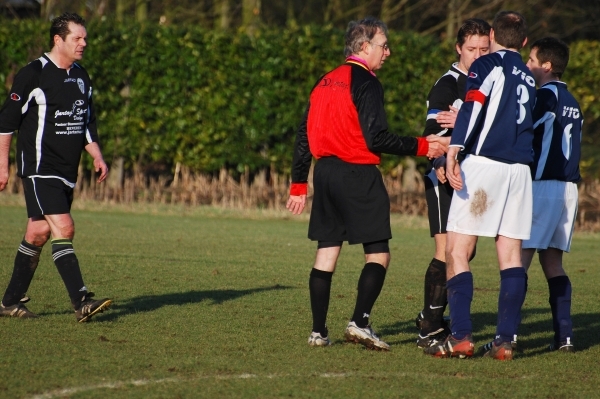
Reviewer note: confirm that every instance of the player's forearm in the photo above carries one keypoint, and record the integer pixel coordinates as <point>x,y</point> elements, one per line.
<point>94,150</point>
<point>5,139</point>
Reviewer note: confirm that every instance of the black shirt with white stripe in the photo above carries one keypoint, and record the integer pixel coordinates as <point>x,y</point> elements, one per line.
<point>53,111</point>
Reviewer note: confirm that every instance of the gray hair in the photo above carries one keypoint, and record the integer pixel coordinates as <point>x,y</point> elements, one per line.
<point>362,31</point>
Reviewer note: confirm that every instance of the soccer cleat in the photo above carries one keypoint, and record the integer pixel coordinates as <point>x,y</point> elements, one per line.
<point>563,346</point>
<point>316,339</point>
<point>90,307</point>
<point>488,347</point>
<point>504,351</point>
<point>433,338</point>
<point>18,310</point>
<point>452,347</point>
<point>25,299</point>
<point>365,336</point>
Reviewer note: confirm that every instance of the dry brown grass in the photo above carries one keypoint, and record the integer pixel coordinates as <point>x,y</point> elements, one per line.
<point>266,190</point>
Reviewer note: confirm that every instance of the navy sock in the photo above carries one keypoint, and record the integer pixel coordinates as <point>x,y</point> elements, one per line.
<point>68,267</point>
<point>513,284</point>
<point>560,303</point>
<point>319,285</point>
<point>460,295</point>
<point>435,297</point>
<point>370,284</point>
<point>25,265</point>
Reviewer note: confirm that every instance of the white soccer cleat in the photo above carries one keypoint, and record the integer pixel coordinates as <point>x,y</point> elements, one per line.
<point>365,336</point>
<point>316,339</point>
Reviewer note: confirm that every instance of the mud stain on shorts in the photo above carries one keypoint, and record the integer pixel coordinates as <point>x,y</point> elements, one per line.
<point>480,204</point>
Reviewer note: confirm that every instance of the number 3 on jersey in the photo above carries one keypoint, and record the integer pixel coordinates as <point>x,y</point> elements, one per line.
<point>522,98</point>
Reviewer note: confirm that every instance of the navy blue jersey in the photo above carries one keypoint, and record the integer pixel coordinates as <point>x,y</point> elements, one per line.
<point>496,119</point>
<point>557,134</point>
<point>52,110</point>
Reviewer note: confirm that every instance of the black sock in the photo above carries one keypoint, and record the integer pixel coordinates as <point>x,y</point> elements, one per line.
<point>26,262</point>
<point>319,285</point>
<point>369,286</point>
<point>435,297</point>
<point>68,267</point>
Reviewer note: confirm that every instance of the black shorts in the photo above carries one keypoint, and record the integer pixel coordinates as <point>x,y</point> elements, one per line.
<point>350,203</point>
<point>438,198</point>
<point>46,196</point>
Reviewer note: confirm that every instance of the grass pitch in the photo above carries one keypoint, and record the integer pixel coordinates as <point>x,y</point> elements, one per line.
<point>213,303</point>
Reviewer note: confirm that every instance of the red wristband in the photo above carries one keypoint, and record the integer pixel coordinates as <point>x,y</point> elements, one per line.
<point>422,146</point>
<point>299,189</point>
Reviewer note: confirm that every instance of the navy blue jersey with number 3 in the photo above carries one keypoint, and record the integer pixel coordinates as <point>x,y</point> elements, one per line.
<point>496,119</point>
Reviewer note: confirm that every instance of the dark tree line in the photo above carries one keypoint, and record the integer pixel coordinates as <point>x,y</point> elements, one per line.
<point>569,20</point>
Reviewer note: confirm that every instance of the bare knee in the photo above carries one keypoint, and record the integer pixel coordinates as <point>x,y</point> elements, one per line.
<point>381,258</point>
<point>67,232</point>
<point>37,235</point>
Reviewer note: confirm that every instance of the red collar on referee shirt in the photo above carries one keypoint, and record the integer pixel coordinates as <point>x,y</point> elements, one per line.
<point>360,62</point>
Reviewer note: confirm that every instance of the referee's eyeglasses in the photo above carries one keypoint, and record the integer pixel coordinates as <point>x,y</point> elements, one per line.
<point>385,47</point>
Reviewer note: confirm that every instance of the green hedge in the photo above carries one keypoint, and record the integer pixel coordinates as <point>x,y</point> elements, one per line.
<point>208,99</point>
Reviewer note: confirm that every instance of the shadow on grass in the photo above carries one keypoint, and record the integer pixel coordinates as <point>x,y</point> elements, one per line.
<point>585,330</point>
<point>148,303</point>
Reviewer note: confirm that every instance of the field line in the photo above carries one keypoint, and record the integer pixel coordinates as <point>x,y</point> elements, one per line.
<point>59,393</point>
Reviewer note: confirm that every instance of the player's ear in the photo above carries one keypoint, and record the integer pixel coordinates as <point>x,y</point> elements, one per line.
<point>524,43</point>
<point>365,47</point>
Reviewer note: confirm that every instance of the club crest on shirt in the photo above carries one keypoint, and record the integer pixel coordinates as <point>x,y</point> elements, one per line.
<point>81,85</point>
<point>15,97</point>
<point>472,75</point>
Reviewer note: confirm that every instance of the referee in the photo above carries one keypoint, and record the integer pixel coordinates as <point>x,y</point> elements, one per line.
<point>345,128</point>
<point>50,104</point>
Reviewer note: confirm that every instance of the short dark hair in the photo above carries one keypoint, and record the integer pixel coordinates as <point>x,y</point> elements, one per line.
<point>510,29</point>
<point>362,31</point>
<point>60,25</point>
<point>553,50</point>
<point>472,27</point>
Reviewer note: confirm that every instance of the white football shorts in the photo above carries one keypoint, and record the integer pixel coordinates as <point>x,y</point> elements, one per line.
<point>495,200</point>
<point>554,212</point>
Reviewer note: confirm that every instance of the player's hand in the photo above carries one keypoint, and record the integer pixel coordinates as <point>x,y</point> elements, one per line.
<point>438,146</point>
<point>100,167</point>
<point>441,174</point>
<point>3,178</point>
<point>453,172</point>
<point>296,203</point>
<point>447,119</point>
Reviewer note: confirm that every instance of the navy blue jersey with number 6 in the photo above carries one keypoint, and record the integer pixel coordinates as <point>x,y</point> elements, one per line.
<point>496,119</point>
<point>557,141</point>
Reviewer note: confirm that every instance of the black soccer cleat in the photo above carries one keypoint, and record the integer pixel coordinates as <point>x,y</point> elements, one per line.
<point>434,338</point>
<point>563,346</point>
<point>19,310</point>
<point>89,307</point>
